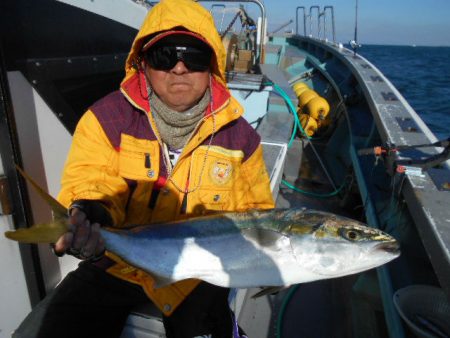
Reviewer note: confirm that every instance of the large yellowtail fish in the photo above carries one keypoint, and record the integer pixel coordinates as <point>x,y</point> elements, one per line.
<point>278,247</point>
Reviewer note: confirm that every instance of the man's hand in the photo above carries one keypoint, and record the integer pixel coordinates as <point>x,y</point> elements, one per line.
<point>83,240</point>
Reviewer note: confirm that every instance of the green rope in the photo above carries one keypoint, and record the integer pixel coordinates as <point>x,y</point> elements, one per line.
<point>297,123</point>
<point>283,307</point>
<point>331,194</point>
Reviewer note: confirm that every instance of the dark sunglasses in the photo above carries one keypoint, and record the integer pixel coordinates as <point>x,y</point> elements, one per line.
<point>166,57</point>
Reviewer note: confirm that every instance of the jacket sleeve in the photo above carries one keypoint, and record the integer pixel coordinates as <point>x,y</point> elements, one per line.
<point>91,171</point>
<point>254,172</point>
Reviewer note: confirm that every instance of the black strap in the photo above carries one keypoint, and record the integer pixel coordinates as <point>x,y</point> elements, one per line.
<point>95,211</point>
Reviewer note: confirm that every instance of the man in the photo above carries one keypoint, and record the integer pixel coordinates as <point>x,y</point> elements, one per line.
<point>170,144</point>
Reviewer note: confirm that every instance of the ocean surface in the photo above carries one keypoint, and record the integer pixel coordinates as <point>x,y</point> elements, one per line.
<point>422,75</point>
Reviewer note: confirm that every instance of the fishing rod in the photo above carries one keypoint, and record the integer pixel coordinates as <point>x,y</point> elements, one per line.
<point>354,43</point>
<point>282,26</point>
<point>424,163</point>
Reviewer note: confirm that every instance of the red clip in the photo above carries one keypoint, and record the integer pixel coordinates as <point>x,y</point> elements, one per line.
<point>378,151</point>
<point>400,169</point>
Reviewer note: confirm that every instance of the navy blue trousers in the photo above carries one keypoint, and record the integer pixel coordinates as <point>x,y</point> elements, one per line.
<point>91,303</point>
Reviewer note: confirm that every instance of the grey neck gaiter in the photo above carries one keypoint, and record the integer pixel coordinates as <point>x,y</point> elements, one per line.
<point>176,127</point>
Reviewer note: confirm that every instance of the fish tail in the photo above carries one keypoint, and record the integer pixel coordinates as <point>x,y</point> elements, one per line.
<point>46,232</point>
<point>40,233</point>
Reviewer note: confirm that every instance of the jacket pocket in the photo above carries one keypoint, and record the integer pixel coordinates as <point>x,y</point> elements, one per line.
<point>218,167</point>
<point>211,201</point>
<point>138,158</point>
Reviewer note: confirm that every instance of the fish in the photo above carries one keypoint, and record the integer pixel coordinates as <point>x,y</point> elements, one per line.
<point>253,248</point>
<point>275,247</point>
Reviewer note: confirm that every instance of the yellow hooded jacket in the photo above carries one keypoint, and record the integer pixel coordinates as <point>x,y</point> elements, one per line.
<point>115,155</point>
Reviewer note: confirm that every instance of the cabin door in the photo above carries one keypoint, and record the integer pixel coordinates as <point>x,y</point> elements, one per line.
<point>20,284</point>
<point>33,138</point>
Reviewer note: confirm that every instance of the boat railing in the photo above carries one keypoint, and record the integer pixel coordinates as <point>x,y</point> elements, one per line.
<point>304,19</point>
<point>310,17</point>
<point>322,22</point>
<point>222,7</point>
<point>333,32</point>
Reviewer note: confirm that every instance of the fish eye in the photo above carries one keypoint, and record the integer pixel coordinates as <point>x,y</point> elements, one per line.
<point>350,234</point>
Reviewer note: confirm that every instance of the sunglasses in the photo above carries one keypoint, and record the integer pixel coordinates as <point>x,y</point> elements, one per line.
<point>166,57</point>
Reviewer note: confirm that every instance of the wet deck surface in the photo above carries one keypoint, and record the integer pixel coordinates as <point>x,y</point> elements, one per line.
<point>319,310</point>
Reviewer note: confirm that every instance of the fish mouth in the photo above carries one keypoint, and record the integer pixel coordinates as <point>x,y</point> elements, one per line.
<point>391,247</point>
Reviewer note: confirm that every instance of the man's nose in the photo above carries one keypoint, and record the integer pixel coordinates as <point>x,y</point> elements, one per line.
<point>180,68</point>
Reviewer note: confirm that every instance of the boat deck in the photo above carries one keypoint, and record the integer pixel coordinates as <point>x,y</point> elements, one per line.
<point>317,309</point>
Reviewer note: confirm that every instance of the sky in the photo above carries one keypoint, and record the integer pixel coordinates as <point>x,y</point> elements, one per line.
<point>393,22</point>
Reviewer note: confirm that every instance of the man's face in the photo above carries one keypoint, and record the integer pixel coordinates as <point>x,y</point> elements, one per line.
<point>179,88</point>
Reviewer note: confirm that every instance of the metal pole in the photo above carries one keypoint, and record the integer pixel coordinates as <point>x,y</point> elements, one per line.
<point>356,27</point>
<point>282,26</point>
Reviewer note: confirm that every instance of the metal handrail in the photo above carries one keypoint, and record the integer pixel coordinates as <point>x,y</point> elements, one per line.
<point>320,15</point>
<point>263,19</point>
<point>311,21</point>
<point>223,14</point>
<point>304,19</point>
<point>331,8</point>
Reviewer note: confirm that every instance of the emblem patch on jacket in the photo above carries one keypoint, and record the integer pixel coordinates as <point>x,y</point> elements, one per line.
<point>221,171</point>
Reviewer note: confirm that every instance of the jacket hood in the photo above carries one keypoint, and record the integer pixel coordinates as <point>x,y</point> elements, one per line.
<point>171,14</point>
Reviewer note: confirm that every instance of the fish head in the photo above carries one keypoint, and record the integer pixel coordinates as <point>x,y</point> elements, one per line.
<point>334,246</point>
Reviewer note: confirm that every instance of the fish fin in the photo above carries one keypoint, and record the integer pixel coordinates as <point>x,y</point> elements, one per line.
<point>59,211</point>
<point>264,237</point>
<point>46,232</point>
<point>40,233</point>
<point>269,290</point>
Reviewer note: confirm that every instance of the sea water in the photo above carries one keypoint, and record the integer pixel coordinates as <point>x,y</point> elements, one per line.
<point>422,75</point>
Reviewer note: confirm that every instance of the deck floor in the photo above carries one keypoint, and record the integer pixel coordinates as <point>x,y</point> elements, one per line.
<point>333,308</point>
<point>319,309</point>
